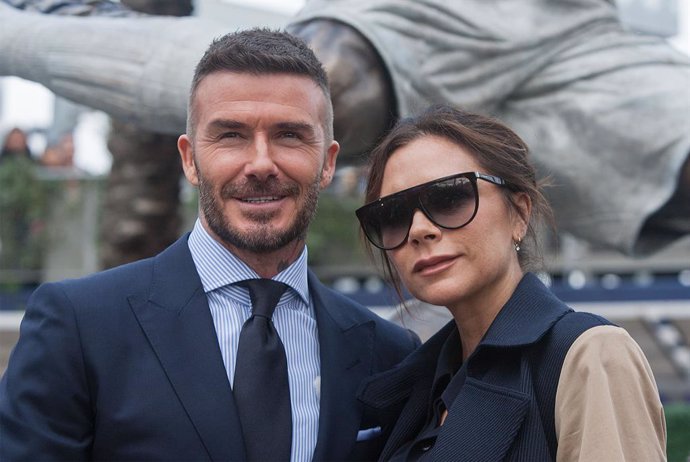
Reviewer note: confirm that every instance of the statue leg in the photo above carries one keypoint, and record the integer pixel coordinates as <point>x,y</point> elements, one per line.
<point>673,219</point>
<point>609,120</point>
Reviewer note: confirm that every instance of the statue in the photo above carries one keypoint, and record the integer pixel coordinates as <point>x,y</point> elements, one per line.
<point>606,112</point>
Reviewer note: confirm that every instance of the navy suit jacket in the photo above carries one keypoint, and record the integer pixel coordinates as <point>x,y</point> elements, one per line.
<point>125,365</point>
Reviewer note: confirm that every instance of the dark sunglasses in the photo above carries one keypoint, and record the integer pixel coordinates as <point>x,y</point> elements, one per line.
<point>450,202</point>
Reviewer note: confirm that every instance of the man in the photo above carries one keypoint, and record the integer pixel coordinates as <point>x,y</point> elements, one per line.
<point>141,362</point>
<point>606,112</point>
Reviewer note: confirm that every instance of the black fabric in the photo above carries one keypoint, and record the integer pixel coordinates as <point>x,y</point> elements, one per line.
<point>448,380</point>
<point>260,387</point>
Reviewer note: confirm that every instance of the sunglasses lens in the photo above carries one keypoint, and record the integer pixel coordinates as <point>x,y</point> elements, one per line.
<point>394,223</point>
<point>450,203</point>
<point>386,224</point>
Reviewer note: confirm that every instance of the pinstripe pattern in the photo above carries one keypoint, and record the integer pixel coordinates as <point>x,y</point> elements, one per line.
<point>294,320</point>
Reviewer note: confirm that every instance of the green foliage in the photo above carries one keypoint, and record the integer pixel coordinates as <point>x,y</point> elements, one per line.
<point>23,203</point>
<point>678,432</point>
<point>333,237</point>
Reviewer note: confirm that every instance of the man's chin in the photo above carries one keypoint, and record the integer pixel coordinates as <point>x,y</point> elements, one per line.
<point>260,238</point>
<point>259,220</point>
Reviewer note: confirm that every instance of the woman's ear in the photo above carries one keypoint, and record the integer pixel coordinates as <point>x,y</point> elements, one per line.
<point>522,205</point>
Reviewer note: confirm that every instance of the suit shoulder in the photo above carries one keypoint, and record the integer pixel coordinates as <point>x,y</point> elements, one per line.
<point>387,332</point>
<point>127,273</point>
<point>111,284</point>
<point>365,313</point>
<point>392,340</point>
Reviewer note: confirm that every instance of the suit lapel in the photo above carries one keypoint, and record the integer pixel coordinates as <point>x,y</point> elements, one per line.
<point>346,347</point>
<point>177,321</point>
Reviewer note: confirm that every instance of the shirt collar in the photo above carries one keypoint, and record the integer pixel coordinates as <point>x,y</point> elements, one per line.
<point>218,267</point>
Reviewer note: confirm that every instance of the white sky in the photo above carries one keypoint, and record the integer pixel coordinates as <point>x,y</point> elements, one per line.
<point>29,105</point>
<point>288,7</point>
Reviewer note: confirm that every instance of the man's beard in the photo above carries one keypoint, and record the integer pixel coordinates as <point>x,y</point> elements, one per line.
<point>262,237</point>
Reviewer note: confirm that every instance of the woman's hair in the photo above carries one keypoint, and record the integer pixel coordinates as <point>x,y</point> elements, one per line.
<point>495,147</point>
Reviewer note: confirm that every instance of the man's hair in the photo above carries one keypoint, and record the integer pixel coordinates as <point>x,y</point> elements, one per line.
<point>261,51</point>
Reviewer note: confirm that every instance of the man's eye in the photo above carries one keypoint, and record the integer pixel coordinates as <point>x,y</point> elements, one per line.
<point>230,135</point>
<point>289,135</point>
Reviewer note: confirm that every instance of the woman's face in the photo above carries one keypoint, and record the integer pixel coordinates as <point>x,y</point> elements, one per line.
<point>16,141</point>
<point>454,267</point>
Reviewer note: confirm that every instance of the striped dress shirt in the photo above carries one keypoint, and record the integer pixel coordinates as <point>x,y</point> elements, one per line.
<point>294,321</point>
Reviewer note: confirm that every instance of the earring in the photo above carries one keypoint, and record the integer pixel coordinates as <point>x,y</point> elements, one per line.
<point>517,244</point>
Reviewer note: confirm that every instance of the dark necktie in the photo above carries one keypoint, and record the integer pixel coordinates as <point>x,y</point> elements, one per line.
<point>261,387</point>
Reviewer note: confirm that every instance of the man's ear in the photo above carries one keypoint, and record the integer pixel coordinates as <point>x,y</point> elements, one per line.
<point>184,145</point>
<point>328,170</point>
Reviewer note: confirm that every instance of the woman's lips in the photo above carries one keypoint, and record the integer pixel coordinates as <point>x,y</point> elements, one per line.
<point>434,264</point>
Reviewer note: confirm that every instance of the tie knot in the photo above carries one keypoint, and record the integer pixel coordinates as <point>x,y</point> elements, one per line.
<point>264,294</point>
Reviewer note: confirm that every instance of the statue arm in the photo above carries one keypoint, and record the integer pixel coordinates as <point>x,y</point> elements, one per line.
<point>135,70</point>
<point>361,90</point>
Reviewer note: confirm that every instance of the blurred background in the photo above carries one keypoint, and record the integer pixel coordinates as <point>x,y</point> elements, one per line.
<point>57,222</point>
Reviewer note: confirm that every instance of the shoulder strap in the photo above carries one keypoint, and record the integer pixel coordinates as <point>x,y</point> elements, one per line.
<point>546,358</point>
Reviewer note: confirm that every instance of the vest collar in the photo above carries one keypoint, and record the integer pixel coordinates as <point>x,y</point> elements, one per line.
<point>526,317</point>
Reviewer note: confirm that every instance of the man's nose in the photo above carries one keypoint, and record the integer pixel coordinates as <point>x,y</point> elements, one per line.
<point>261,163</point>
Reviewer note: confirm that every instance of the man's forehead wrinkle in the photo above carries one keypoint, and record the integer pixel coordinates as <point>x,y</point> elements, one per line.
<point>297,125</point>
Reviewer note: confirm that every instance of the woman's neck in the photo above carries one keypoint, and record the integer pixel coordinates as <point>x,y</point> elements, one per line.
<point>474,316</point>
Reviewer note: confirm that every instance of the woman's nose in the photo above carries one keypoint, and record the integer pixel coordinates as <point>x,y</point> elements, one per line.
<point>422,229</point>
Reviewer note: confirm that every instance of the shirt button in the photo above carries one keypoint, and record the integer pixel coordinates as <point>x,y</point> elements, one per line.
<point>426,447</point>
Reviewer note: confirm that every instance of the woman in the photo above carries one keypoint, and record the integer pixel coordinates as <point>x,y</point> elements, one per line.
<point>452,200</point>
<point>15,146</point>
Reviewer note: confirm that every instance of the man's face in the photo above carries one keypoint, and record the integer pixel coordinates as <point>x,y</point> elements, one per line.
<point>259,158</point>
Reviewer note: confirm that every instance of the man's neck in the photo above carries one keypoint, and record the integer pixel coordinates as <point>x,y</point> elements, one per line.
<point>265,264</point>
